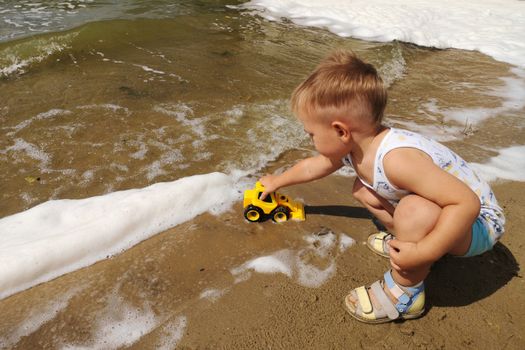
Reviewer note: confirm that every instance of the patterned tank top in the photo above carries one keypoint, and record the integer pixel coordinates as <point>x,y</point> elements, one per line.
<point>490,213</point>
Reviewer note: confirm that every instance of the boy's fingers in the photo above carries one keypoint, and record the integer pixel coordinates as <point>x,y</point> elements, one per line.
<point>393,252</point>
<point>394,259</point>
<point>394,265</point>
<point>395,244</point>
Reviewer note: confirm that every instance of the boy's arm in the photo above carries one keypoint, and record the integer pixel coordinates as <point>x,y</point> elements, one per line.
<point>306,170</point>
<point>413,170</point>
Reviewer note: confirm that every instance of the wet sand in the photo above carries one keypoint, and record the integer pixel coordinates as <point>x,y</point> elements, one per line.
<point>471,303</point>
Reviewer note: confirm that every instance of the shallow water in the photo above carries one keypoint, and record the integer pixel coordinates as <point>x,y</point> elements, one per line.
<point>146,96</point>
<point>126,103</point>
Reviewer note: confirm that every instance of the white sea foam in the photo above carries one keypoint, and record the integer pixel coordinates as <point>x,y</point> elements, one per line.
<point>87,176</point>
<point>27,198</point>
<point>271,122</point>
<point>40,116</point>
<point>108,106</point>
<point>149,69</point>
<point>30,150</point>
<point>276,263</point>
<point>493,27</point>
<point>184,114</point>
<point>394,68</point>
<point>119,325</point>
<point>512,94</point>
<point>280,132</point>
<point>61,236</point>
<point>173,333</point>
<point>345,242</point>
<point>234,114</point>
<point>141,153</point>
<point>509,164</point>
<point>15,60</point>
<point>212,294</point>
<point>168,158</point>
<point>297,264</point>
<point>438,132</point>
<point>37,318</point>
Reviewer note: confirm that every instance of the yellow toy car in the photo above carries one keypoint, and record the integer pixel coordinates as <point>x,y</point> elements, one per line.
<point>276,206</point>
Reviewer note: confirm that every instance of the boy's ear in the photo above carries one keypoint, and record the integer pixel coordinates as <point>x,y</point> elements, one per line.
<point>342,130</point>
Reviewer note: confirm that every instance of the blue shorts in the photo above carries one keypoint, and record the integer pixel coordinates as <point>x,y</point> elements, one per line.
<point>481,240</point>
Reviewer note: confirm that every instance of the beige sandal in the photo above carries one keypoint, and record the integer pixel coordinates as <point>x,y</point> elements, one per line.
<point>410,304</point>
<point>378,243</point>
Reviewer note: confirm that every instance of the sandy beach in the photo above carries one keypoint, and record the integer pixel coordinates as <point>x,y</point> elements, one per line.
<point>130,129</point>
<point>474,303</point>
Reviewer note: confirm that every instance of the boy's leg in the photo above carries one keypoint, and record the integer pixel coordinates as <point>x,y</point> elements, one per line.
<point>379,207</point>
<point>413,218</point>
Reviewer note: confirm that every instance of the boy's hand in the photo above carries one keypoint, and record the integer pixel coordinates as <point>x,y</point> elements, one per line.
<point>405,256</point>
<point>270,185</point>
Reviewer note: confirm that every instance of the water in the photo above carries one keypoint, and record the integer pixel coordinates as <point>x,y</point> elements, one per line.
<point>103,96</point>
<point>122,104</point>
<point>25,18</point>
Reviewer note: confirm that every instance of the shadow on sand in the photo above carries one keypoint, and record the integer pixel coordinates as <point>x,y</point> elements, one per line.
<point>456,281</point>
<point>338,210</point>
<point>453,281</point>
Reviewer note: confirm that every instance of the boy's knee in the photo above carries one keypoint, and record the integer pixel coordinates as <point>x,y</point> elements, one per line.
<point>414,209</point>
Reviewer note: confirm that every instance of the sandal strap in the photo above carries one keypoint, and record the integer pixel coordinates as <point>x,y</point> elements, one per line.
<point>364,299</point>
<point>384,301</point>
<point>404,296</point>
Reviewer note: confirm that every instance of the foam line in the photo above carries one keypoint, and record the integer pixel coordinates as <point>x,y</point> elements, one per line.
<point>61,236</point>
<point>492,27</point>
<point>509,164</point>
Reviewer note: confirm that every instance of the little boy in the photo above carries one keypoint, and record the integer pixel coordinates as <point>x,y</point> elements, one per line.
<point>428,198</point>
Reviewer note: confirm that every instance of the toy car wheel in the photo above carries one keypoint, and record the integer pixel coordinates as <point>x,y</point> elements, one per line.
<point>280,214</point>
<point>253,214</point>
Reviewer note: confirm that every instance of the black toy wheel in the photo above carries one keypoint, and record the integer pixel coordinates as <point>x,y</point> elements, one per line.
<point>280,214</point>
<point>253,214</point>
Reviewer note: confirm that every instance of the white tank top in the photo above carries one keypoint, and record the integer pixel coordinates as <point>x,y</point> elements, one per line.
<point>491,213</point>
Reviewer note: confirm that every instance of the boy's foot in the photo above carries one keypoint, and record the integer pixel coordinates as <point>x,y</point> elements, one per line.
<point>378,243</point>
<point>385,301</point>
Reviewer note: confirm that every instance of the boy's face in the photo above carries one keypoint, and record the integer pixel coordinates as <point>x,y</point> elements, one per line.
<point>325,136</point>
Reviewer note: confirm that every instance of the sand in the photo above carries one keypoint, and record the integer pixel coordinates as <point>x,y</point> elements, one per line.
<point>473,303</point>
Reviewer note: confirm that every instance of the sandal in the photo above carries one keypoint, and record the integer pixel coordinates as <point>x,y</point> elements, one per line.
<point>410,302</point>
<point>378,243</point>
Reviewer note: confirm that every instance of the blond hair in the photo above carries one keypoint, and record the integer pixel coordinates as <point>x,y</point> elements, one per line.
<point>343,81</point>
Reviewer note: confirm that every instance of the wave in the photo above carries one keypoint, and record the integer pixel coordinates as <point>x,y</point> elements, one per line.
<point>18,57</point>
<point>24,18</point>
<point>494,28</point>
